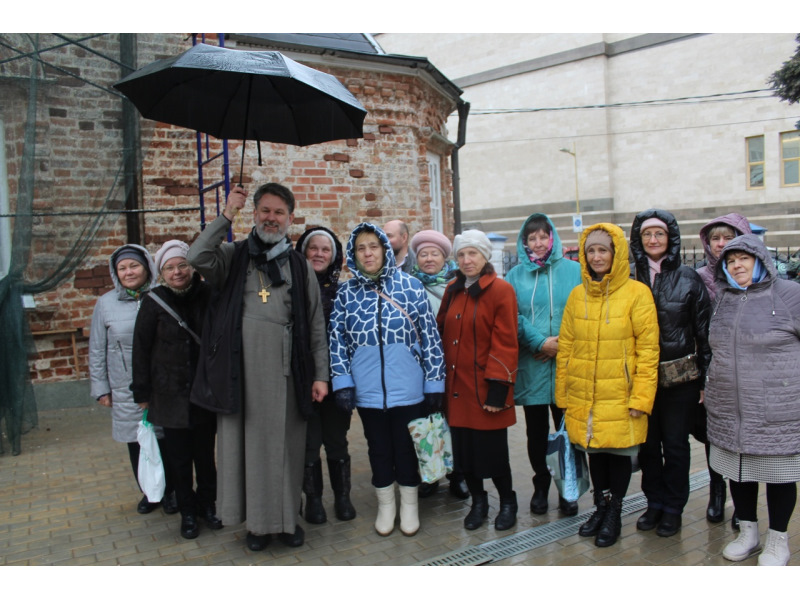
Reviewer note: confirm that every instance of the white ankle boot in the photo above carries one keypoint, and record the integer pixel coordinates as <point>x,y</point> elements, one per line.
<point>745,545</point>
<point>387,510</point>
<point>409,509</point>
<point>776,550</point>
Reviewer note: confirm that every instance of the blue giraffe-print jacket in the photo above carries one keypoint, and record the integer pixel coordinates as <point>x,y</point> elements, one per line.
<point>382,357</point>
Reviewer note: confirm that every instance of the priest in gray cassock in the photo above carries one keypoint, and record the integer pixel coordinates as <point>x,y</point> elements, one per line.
<point>264,360</point>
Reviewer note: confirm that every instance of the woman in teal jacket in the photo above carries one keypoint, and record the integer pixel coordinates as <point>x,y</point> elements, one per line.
<point>542,279</point>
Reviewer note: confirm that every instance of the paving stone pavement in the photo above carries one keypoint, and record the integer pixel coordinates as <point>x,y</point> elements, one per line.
<point>70,499</point>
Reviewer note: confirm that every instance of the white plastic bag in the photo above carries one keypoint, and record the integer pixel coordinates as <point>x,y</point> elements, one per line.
<point>151,469</point>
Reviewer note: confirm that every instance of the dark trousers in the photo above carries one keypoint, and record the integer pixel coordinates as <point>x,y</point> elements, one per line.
<point>610,472</point>
<point>665,456</point>
<point>187,450</point>
<point>328,425</point>
<point>781,500</point>
<point>390,449</point>
<point>537,428</point>
<point>503,483</point>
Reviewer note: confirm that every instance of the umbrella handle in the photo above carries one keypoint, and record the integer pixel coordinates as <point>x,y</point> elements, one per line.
<point>246,118</point>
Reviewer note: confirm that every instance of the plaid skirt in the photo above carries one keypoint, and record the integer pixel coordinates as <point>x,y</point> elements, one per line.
<point>751,467</point>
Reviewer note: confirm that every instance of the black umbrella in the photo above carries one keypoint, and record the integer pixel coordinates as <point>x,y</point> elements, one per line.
<point>242,95</point>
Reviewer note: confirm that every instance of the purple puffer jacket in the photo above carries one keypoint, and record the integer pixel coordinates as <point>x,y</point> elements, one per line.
<point>753,384</point>
<point>740,224</point>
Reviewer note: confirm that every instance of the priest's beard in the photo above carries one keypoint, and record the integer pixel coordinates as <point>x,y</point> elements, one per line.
<point>270,239</point>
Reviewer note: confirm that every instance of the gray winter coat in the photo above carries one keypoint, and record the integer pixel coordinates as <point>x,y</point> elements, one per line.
<point>110,349</point>
<point>753,384</point>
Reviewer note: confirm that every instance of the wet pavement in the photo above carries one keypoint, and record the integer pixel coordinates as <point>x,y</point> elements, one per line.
<point>70,499</point>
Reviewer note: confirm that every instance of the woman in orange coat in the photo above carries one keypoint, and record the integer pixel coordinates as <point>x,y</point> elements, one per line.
<point>478,321</point>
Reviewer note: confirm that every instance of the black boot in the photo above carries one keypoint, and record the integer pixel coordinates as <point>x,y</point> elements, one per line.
<point>478,512</point>
<point>650,519</point>
<point>293,540</point>
<point>592,526</point>
<point>458,487</point>
<point>609,531</point>
<point>541,489</point>
<point>507,516</point>
<point>257,543</point>
<point>717,495</point>
<point>566,507</point>
<point>145,506</point>
<point>312,487</point>
<point>339,471</point>
<point>427,489</point>
<point>189,527</point>
<point>170,503</point>
<point>209,515</point>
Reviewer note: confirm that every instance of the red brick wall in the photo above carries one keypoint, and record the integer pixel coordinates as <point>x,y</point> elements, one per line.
<point>338,184</point>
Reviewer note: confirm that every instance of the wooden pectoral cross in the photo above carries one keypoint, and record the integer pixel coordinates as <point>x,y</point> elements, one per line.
<point>264,295</point>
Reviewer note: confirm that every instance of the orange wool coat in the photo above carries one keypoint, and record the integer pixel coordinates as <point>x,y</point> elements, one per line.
<point>479,334</point>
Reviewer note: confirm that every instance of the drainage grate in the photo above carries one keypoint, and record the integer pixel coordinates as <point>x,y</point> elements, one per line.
<point>542,535</point>
<point>462,558</point>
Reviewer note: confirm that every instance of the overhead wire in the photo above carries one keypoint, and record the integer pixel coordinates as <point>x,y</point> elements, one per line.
<point>719,97</point>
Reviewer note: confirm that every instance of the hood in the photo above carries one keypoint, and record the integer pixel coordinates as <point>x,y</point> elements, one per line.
<point>335,268</point>
<point>151,265</point>
<point>672,259</point>
<point>390,264</point>
<point>751,244</point>
<point>735,220</point>
<point>620,271</point>
<point>522,255</point>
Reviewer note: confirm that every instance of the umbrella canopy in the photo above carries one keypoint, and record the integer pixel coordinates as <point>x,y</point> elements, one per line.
<point>242,95</point>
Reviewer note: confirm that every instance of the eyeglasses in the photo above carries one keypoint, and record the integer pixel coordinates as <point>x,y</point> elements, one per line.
<point>659,235</point>
<point>172,268</point>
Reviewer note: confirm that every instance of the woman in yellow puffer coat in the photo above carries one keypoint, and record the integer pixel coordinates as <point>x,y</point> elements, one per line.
<point>607,371</point>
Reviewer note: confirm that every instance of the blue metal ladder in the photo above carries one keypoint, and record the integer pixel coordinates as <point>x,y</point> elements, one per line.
<point>204,158</point>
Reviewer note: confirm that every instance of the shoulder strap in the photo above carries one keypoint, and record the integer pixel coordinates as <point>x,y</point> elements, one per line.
<point>401,309</point>
<point>169,310</point>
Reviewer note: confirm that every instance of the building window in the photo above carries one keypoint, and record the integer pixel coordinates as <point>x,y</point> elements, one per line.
<point>790,158</point>
<point>435,178</point>
<point>755,162</point>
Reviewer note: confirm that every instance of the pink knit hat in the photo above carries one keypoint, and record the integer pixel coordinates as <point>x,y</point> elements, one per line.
<point>431,238</point>
<point>654,222</point>
<point>169,250</point>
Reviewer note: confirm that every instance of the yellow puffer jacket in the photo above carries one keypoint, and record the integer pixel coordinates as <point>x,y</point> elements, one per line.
<point>607,359</point>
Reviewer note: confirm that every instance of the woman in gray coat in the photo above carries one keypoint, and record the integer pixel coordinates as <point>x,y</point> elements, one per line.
<point>753,394</point>
<point>110,346</point>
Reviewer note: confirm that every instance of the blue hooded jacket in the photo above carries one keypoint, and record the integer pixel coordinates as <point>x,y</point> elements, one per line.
<point>374,347</point>
<point>542,293</point>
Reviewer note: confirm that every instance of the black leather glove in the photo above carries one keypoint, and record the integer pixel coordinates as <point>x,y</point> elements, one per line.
<point>345,399</point>
<point>433,401</point>
<point>497,394</point>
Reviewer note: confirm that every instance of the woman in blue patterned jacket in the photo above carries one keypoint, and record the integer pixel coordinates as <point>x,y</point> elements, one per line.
<point>387,361</point>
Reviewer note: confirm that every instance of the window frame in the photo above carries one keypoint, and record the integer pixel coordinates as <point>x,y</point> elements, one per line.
<point>435,189</point>
<point>784,161</point>
<point>755,163</point>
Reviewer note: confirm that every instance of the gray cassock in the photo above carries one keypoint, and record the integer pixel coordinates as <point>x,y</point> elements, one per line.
<point>261,449</point>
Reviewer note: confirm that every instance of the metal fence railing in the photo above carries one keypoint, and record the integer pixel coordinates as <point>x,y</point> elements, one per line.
<point>787,259</point>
